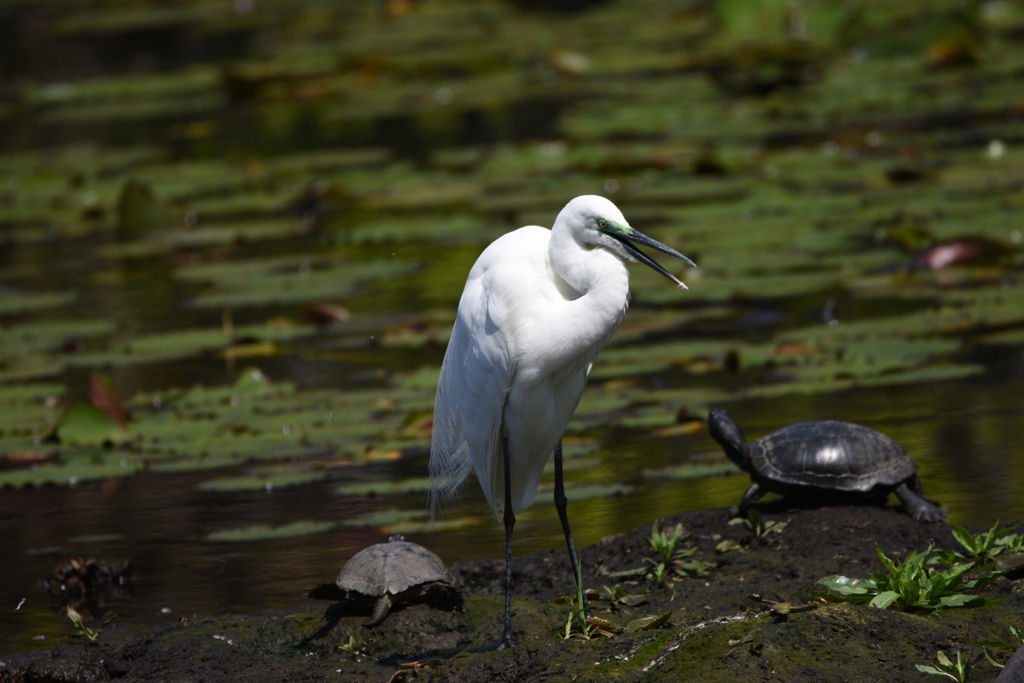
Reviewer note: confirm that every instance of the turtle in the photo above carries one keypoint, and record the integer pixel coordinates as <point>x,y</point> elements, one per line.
<point>390,573</point>
<point>819,456</point>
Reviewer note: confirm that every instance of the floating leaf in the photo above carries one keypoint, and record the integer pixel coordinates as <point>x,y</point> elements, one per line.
<point>386,517</point>
<point>255,482</point>
<point>75,471</point>
<point>576,492</point>
<point>422,527</point>
<point>572,465</point>
<point>84,425</point>
<point>12,302</point>
<point>691,471</point>
<point>282,280</point>
<point>29,393</point>
<point>385,488</point>
<point>260,532</point>
<point>104,397</point>
<point>138,211</point>
<point>29,366</point>
<point>51,336</point>
<point>425,379</point>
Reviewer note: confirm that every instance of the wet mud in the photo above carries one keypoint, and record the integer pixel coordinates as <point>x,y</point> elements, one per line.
<point>758,614</point>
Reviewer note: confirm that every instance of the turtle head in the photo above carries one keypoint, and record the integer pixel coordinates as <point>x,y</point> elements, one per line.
<point>725,431</point>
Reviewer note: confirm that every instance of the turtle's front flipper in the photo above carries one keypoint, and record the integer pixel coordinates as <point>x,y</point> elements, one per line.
<point>749,498</point>
<point>380,610</point>
<point>919,508</point>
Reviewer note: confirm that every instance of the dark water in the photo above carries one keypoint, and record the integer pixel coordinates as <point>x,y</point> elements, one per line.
<point>383,147</point>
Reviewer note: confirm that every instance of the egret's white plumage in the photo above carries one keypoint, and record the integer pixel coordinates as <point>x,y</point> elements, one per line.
<point>538,307</point>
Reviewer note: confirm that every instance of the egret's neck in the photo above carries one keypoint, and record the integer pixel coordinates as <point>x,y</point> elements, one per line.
<point>589,269</point>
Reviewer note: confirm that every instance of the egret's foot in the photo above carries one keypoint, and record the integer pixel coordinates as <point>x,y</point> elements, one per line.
<point>502,644</point>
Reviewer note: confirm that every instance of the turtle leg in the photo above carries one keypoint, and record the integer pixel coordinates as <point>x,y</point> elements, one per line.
<point>510,521</point>
<point>915,485</point>
<point>749,498</point>
<point>916,504</point>
<point>560,505</point>
<point>380,610</point>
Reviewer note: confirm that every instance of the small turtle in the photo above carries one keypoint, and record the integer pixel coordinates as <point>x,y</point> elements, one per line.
<point>823,455</point>
<point>392,573</point>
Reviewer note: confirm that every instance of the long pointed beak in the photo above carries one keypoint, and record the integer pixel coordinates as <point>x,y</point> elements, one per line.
<point>627,236</point>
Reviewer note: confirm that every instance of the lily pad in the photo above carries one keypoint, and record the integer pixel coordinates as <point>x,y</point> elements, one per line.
<point>51,336</point>
<point>73,472</point>
<point>426,526</point>
<point>385,488</point>
<point>255,482</point>
<point>691,471</point>
<point>15,302</point>
<point>29,393</point>
<point>284,280</point>
<point>261,532</point>
<point>84,425</point>
<point>390,516</point>
<point>577,492</point>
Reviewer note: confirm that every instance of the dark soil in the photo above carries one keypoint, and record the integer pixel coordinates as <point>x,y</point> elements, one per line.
<point>722,628</point>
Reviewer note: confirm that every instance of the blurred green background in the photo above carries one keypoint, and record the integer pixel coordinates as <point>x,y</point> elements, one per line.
<point>233,235</point>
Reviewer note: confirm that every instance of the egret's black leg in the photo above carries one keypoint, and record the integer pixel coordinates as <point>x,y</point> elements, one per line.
<point>560,504</point>
<point>510,521</point>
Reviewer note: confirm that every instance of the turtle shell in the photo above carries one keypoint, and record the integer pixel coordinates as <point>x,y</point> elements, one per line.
<point>831,455</point>
<point>391,568</point>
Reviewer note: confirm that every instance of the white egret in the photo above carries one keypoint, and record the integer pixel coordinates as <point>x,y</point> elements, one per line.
<point>538,307</point>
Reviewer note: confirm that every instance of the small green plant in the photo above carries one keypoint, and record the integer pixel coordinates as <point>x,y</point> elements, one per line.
<point>984,547</point>
<point>579,625</point>
<point>658,570</point>
<point>911,584</point>
<point>614,595</point>
<point>354,648</point>
<point>666,543</point>
<point>958,671</point>
<point>694,568</point>
<point>757,526</point>
<point>83,631</point>
<point>990,656</point>
<point>576,623</point>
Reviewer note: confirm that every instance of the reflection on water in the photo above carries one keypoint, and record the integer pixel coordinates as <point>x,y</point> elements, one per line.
<point>177,184</point>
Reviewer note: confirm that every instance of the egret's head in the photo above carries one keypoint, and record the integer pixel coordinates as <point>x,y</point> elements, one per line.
<point>597,222</point>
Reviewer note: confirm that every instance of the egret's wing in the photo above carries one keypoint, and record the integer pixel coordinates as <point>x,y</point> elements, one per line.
<point>475,377</point>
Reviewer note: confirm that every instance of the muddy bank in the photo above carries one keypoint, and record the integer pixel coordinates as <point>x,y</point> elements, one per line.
<point>717,630</point>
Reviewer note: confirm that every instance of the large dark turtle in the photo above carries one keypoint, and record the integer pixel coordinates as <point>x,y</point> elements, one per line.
<point>392,573</point>
<point>823,455</point>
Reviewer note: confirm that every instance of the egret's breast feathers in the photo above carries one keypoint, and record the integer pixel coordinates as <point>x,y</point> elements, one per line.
<point>520,328</point>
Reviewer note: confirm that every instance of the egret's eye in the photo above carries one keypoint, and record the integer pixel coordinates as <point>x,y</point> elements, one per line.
<point>602,224</point>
